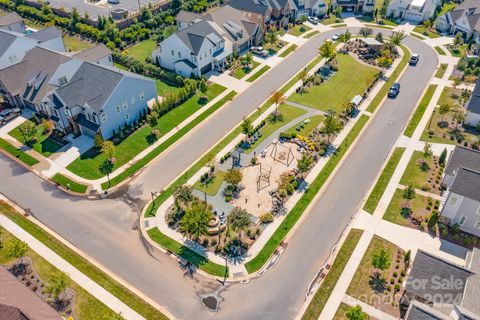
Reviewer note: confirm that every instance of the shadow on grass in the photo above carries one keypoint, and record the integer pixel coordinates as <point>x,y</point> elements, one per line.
<point>377,284</point>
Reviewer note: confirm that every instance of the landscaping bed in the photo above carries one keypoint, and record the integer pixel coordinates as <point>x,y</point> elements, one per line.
<point>426,32</point>
<point>423,173</point>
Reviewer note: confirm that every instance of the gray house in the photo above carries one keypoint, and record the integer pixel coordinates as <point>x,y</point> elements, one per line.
<point>12,22</point>
<point>473,107</point>
<point>462,180</point>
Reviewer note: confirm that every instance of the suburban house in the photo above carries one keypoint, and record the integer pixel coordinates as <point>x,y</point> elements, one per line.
<point>99,54</point>
<point>357,6</point>
<point>14,46</point>
<point>203,44</point>
<point>80,96</point>
<point>473,108</point>
<point>12,22</point>
<point>462,180</point>
<point>465,18</point>
<point>255,10</point>
<point>413,10</point>
<point>440,290</point>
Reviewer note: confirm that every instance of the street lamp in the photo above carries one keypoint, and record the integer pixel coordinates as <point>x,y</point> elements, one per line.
<point>153,194</point>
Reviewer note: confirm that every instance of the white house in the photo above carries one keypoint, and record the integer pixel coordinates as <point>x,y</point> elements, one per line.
<point>465,18</point>
<point>357,6</point>
<point>473,108</point>
<point>413,10</point>
<point>12,22</point>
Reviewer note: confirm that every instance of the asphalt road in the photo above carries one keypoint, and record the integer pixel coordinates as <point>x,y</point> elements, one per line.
<point>106,229</point>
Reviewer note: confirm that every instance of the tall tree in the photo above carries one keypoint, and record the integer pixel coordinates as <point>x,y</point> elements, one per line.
<point>345,37</point>
<point>247,127</point>
<point>331,125</point>
<point>108,149</point>
<point>183,194</point>
<point>27,129</point>
<point>239,220</point>
<point>194,222</point>
<point>278,99</point>
<point>304,163</point>
<point>234,177</point>
<point>16,249</point>
<point>381,261</point>
<point>327,50</point>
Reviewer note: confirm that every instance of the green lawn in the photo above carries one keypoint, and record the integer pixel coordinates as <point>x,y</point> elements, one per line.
<point>298,30</point>
<point>383,180</point>
<point>74,43</point>
<point>213,186</point>
<point>141,50</point>
<point>318,302</point>
<point>424,31</point>
<point>242,71</point>
<point>288,112</point>
<point>289,50</point>
<point>386,86</point>
<point>187,254</point>
<point>163,88</point>
<point>393,212</point>
<point>413,175</point>
<point>262,257</point>
<point>311,34</point>
<point>69,184</point>
<point>308,128</point>
<point>87,165</point>
<point>17,153</point>
<point>441,70</point>
<point>351,79</point>
<point>440,50</point>
<point>420,111</point>
<point>258,73</point>
<point>84,266</point>
<point>331,20</point>
<point>43,144</point>
<point>458,52</point>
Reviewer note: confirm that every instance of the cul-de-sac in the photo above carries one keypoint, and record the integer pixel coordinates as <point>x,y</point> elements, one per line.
<point>240,159</point>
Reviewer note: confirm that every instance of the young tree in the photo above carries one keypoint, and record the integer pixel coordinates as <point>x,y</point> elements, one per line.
<point>443,156</point>
<point>381,261</point>
<point>278,99</point>
<point>427,150</point>
<point>47,126</point>
<point>98,142</point>
<point>239,219</point>
<point>407,257</point>
<point>247,127</point>
<point>331,125</point>
<point>345,37</point>
<point>108,149</point>
<point>152,119</point>
<point>272,36</point>
<point>408,194</point>
<point>28,129</point>
<point>194,222</point>
<point>304,163</point>
<point>57,284</point>
<point>16,249</point>
<point>355,313</point>
<point>397,37</point>
<point>365,31</point>
<point>458,40</point>
<point>456,82</point>
<point>327,51</point>
<point>202,85</point>
<point>443,110</point>
<point>427,24</point>
<point>234,177</point>
<point>183,194</point>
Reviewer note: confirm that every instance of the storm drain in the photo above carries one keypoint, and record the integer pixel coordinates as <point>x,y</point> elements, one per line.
<point>210,302</point>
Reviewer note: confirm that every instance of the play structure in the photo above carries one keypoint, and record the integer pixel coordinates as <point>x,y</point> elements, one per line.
<point>263,178</point>
<point>236,158</point>
<point>282,153</point>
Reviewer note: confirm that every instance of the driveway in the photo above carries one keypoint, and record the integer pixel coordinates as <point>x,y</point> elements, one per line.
<point>107,229</point>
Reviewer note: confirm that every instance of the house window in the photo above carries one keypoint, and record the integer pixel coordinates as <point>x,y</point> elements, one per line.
<point>117,109</point>
<point>194,59</point>
<point>210,51</point>
<point>132,100</point>
<point>124,104</point>
<point>62,80</point>
<point>127,117</point>
<point>142,95</point>
<point>477,224</point>
<point>104,117</point>
<point>173,53</point>
<point>453,200</point>
<point>179,54</point>
<point>462,220</point>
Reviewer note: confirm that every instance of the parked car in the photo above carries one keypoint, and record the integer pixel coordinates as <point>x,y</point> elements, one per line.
<point>8,114</point>
<point>335,37</point>
<point>113,1</point>
<point>394,90</point>
<point>414,59</point>
<point>259,51</point>
<point>313,20</point>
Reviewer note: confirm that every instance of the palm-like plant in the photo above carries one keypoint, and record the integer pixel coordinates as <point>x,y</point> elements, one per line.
<point>195,221</point>
<point>397,37</point>
<point>239,220</point>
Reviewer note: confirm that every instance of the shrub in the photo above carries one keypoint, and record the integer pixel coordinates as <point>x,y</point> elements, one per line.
<point>266,218</point>
<point>395,274</point>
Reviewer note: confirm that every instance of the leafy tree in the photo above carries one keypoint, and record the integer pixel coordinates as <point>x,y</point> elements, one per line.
<point>202,85</point>
<point>458,40</point>
<point>108,149</point>
<point>278,99</point>
<point>408,194</point>
<point>194,222</point>
<point>47,126</point>
<point>345,37</point>
<point>407,257</point>
<point>27,129</point>
<point>304,163</point>
<point>427,24</point>
<point>397,37</point>
<point>443,110</point>
<point>152,119</point>
<point>355,313</point>
<point>183,194</point>
<point>384,61</point>
<point>379,37</point>
<point>247,127</point>
<point>98,142</point>
<point>365,32</point>
<point>381,261</point>
<point>331,125</point>
<point>456,82</point>
<point>272,36</point>
<point>239,219</point>
<point>57,284</point>
<point>16,249</point>
<point>443,156</point>
<point>247,59</point>
<point>327,50</point>
<point>427,150</point>
<point>234,177</point>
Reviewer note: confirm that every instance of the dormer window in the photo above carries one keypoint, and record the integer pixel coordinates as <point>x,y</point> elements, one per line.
<point>62,81</point>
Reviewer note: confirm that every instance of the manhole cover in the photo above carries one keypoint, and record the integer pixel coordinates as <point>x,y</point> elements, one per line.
<point>210,302</point>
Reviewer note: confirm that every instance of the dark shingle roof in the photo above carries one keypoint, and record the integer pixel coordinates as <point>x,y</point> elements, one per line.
<point>11,313</point>
<point>91,84</point>
<point>10,18</point>
<point>467,184</point>
<point>187,16</point>
<point>253,6</point>
<point>230,19</point>
<point>46,34</point>
<point>471,295</point>
<point>474,103</point>
<point>6,39</point>
<point>421,311</point>
<point>93,54</point>
<point>427,274</point>
<point>194,36</point>
<point>463,157</point>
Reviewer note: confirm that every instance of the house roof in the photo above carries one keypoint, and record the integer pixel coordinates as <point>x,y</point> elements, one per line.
<point>45,34</point>
<point>236,27</point>
<point>6,40</point>
<point>91,84</point>
<point>18,302</point>
<point>463,157</point>
<point>474,103</point>
<point>472,7</point>
<point>187,16</point>
<point>371,41</point>
<point>194,35</point>
<point>29,78</point>
<point>253,6</point>
<point>428,272</point>
<point>421,311</point>
<point>467,184</point>
<point>94,54</point>
<point>471,296</point>
<point>10,18</point>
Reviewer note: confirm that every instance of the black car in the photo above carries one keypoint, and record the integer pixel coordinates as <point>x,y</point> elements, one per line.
<point>394,90</point>
<point>414,59</point>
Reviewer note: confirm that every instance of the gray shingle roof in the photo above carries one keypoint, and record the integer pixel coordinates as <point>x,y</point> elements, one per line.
<point>194,36</point>
<point>187,16</point>
<point>463,157</point>
<point>46,34</point>
<point>230,19</point>
<point>91,84</point>
<point>93,54</point>
<point>467,184</point>
<point>254,6</point>
<point>421,311</point>
<point>10,18</point>
<point>6,39</point>
<point>427,274</point>
<point>471,300</point>
<point>474,103</point>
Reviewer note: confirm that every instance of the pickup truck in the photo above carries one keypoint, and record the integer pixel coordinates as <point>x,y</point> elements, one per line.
<point>8,114</point>
<point>259,51</point>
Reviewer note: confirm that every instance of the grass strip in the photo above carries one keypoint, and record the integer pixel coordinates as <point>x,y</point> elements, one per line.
<point>289,50</point>
<point>17,153</point>
<point>384,90</point>
<point>83,265</point>
<point>422,107</point>
<point>258,74</point>
<point>339,25</point>
<point>441,70</point>
<point>311,34</point>
<point>440,51</point>
<point>187,254</point>
<point>417,36</point>
<point>155,152</point>
<point>318,302</point>
<point>292,217</point>
<point>69,184</point>
<point>383,180</point>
